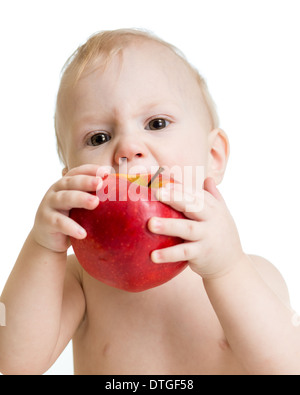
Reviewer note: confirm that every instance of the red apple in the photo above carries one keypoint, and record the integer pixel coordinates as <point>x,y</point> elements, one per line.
<point>118,245</point>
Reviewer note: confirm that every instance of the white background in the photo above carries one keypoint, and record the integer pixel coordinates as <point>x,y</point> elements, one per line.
<point>248,51</point>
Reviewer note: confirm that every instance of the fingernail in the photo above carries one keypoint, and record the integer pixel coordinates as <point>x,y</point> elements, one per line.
<point>155,224</point>
<point>104,171</point>
<point>93,199</point>
<point>156,257</point>
<point>100,183</point>
<point>81,231</point>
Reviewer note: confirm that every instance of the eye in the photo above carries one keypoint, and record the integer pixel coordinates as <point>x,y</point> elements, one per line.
<point>157,124</point>
<point>98,139</point>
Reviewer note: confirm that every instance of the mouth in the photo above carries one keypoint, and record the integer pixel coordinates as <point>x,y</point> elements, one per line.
<point>136,171</point>
<point>139,169</point>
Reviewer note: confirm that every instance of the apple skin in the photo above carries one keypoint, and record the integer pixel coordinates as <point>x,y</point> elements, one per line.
<point>118,245</point>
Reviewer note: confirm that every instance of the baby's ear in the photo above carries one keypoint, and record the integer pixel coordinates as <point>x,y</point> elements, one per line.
<point>218,154</point>
<point>64,171</point>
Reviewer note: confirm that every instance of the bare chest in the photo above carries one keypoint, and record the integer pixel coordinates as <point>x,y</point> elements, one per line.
<point>151,334</point>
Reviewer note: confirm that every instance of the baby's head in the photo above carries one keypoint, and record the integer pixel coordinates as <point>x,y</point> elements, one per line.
<point>127,97</point>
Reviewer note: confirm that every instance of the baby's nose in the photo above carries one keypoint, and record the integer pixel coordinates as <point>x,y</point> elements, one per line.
<point>129,150</point>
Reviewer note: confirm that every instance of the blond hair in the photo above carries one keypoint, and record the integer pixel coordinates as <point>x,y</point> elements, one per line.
<point>103,46</point>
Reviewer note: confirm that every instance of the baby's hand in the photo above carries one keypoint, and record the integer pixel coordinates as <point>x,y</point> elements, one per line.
<point>52,223</point>
<point>212,246</point>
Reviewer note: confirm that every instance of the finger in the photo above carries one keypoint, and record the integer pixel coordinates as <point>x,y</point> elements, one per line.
<point>192,205</point>
<point>104,171</point>
<point>184,228</point>
<point>88,170</point>
<point>79,183</point>
<point>177,253</point>
<point>62,224</point>
<point>210,186</point>
<point>66,200</point>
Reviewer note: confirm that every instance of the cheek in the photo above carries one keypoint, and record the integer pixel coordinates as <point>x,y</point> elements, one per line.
<point>189,148</point>
<point>73,159</point>
<point>187,167</point>
<point>193,162</point>
<point>192,152</point>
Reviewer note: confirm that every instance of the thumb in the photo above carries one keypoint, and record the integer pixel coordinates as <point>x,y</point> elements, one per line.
<point>210,186</point>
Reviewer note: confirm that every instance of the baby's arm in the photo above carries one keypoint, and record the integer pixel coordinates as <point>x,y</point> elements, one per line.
<point>43,297</point>
<point>251,303</point>
<point>252,306</point>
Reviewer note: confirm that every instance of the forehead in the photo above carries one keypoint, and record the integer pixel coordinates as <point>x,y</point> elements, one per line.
<point>143,71</point>
<point>141,55</point>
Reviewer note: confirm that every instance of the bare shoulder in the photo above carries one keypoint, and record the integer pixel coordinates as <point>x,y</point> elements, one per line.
<point>272,277</point>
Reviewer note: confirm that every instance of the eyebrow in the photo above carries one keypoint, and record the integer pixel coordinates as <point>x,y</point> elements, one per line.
<point>92,117</point>
<point>157,104</point>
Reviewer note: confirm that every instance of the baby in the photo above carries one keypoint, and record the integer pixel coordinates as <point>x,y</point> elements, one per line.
<point>129,98</point>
